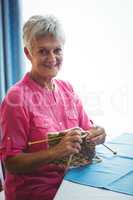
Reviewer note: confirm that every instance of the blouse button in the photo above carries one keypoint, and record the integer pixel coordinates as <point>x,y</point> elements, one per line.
<point>60,123</point>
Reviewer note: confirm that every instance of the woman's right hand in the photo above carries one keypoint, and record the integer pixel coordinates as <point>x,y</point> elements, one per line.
<point>69,144</point>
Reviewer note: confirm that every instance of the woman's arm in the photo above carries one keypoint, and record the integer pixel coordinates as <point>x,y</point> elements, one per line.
<point>27,162</point>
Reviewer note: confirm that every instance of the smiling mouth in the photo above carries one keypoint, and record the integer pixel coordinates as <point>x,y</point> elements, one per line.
<point>50,66</point>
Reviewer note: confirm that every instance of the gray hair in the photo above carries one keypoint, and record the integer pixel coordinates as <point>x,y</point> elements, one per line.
<point>38,26</point>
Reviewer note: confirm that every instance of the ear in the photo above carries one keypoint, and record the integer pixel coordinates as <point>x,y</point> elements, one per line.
<point>27,53</point>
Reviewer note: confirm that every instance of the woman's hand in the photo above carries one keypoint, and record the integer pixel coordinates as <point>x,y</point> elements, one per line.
<point>70,143</point>
<point>96,134</point>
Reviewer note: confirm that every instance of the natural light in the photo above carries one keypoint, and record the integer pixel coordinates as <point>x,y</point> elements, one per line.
<point>98,55</point>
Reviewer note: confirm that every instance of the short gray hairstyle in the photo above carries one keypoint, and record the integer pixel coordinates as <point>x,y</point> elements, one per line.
<point>38,26</point>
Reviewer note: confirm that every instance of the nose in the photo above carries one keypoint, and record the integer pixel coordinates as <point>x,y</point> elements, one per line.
<point>51,58</point>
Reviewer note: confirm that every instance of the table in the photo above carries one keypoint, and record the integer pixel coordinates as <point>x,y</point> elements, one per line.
<point>70,191</point>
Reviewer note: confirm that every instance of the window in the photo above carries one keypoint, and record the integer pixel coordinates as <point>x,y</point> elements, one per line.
<point>98,57</point>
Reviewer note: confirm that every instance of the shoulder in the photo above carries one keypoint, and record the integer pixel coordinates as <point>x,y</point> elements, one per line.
<point>15,95</point>
<point>14,103</point>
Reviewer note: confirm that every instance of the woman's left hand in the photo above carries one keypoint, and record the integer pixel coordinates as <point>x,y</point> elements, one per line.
<point>96,134</point>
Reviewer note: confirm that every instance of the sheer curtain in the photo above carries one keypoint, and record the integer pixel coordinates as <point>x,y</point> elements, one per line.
<point>98,56</point>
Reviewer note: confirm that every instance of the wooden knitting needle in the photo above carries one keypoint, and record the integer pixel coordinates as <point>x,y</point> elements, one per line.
<point>84,134</point>
<point>45,140</point>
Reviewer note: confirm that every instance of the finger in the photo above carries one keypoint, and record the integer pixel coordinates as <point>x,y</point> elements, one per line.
<point>72,138</point>
<point>73,148</point>
<point>96,132</point>
<point>74,132</point>
<point>99,139</point>
<point>76,138</point>
<point>76,146</point>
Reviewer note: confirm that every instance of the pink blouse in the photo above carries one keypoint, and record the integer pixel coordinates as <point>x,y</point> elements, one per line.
<point>27,114</point>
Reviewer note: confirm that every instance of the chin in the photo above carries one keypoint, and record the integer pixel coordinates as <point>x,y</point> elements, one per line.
<point>50,75</point>
<point>49,71</point>
<point>53,74</point>
<point>53,71</point>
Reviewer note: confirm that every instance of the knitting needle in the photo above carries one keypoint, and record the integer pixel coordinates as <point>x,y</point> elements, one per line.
<point>69,161</point>
<point>53,139</point>
<point>41,141</point>
<point>114,152</point>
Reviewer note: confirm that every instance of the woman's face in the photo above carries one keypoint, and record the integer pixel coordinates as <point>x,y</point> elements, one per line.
<point>46,56</point>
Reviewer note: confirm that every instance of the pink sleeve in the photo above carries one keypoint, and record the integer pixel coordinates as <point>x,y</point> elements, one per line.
<point>14,122</point>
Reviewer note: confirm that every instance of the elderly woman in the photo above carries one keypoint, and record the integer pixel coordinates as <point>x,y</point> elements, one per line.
<point>35,106</point>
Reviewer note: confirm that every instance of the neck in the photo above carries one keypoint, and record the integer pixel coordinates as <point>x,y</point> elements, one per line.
<point>43,82</point>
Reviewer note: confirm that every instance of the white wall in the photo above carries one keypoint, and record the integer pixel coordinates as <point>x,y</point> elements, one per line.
<point>98,55</point>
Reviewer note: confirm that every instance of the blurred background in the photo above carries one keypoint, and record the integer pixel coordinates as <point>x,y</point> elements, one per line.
<point>98,57</point>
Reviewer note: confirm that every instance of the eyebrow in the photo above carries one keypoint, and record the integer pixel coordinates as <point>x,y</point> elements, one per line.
<point>41,47</point>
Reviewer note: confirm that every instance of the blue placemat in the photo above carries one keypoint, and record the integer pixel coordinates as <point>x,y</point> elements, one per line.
<point>125,138</point>
<point>115,172</point>
<point>125,182</point>
<point>123,150</point>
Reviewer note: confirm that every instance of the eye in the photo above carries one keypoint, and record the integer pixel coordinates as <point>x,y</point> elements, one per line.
<point>58,51</point>
<point>42,52</point>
